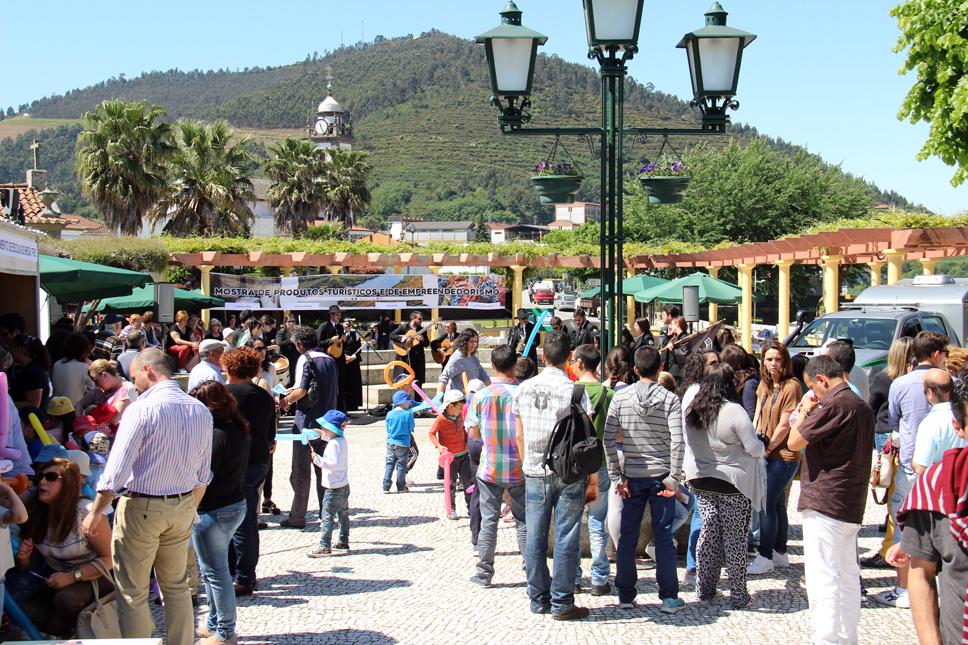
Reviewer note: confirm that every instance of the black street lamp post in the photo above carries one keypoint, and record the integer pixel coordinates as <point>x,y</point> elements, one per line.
<point>714,53</point>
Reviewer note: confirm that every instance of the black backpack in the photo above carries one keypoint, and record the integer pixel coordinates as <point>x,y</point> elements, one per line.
<point>574,451</point>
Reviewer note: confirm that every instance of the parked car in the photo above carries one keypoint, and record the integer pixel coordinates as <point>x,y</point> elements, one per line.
<point>566,301</point>
<point>872,329</point>
<point>543,296</point>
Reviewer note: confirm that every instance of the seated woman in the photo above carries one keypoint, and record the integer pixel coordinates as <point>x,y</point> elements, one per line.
<point>180,343</point>
<point>116,392</point>
<point>55,559</point>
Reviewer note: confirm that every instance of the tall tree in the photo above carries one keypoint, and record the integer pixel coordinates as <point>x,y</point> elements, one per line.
<point>209,182</point>
<point>935,33</point>
<point>121,161</point>
<point>297,193</point>
<point>347,194</point>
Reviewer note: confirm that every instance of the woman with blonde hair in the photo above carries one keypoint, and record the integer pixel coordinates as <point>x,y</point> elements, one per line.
<point>115,391</point>
<point>899,363</point>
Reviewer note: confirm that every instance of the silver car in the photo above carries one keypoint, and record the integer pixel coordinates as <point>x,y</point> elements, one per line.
<point>565,301</point>
<point>872,329</point>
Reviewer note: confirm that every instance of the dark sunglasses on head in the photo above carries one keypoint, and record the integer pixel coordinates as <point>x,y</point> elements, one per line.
<point>51,477</point>
<point>259,348</point>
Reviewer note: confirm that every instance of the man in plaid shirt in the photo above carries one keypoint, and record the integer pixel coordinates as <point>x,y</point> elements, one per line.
<point>491,420</point>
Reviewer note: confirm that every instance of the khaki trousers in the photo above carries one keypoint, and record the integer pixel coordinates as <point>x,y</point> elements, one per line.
<point>154,533</point>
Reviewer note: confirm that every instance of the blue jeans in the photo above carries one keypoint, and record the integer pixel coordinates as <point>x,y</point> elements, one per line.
<point>598,533</point>
<point>544,495</point>
<point>211,539</point>
<point>773,521</point>
<point>396,459</point>
<point>490,496</point>
<point>904,478</point>
<point>336,502</point>
<point>244,548</point>
<point>642,491</point>
<point>683,513</point>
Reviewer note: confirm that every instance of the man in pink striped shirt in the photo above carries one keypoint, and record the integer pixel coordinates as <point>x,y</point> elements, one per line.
<point>160,465</point>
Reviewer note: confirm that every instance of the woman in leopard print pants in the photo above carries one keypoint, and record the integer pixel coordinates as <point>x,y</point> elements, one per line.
<point>724,466</point>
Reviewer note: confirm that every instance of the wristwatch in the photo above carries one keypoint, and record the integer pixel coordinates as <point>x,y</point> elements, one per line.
<point>78,575</point>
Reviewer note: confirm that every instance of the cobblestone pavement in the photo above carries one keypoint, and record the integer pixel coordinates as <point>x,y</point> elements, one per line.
<point>405,580</point>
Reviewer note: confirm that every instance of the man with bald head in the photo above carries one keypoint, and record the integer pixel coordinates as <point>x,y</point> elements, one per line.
<point>936,432</point>
<point>159,466</point>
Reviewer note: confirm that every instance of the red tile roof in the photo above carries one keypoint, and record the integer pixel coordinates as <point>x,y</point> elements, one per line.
<point>32,205</point>
<point>79,223</point>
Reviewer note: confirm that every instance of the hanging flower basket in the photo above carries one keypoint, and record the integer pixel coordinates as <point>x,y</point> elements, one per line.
<point>557,189</point>
<point>665,190</point>
<point>664,182</point>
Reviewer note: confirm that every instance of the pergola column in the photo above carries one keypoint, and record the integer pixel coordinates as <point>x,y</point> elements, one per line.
<point>630,302</point>
<point>398,313</point>
<point>435,311</point>
<point>206,285</point>
<point>783,304</point>
<point>713,307</point>
<point>517,289</point>
<point>875,273</point>
<point>831,282</point>
<point>895,265</point>
<point>928,265</point>
<point>746,307</point>
<point>286,271</point>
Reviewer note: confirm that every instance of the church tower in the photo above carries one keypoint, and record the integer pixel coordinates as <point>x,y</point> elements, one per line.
<point>331,127</point>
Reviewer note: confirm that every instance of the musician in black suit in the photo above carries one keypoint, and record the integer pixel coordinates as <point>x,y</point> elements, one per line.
<point>415,358</point>
<point>326,335</point>
<point>520,333</point>
<point>644,338</point>
<point>352,382</point>
<point>450,333</point>
<point>382,331</point>
<point>583,332</point>
<point>287,346</point>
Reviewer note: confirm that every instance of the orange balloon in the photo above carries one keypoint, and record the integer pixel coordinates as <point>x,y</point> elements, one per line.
<point>388,377</point>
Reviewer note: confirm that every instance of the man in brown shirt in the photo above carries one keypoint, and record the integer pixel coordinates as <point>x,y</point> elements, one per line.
<point>836,428</point>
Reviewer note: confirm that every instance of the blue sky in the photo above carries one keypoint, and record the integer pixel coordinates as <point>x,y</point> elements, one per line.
<point>821,74</point>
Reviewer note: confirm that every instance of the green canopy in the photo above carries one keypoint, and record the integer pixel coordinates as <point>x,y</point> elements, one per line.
<point>74,281</point>
<point>630,286</point>
<point>143,299</point>
<point>711,290</point>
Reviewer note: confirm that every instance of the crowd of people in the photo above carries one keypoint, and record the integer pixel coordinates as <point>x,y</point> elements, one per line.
<point>137,481</point>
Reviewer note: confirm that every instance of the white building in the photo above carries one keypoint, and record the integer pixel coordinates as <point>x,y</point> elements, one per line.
<point>577,213</point>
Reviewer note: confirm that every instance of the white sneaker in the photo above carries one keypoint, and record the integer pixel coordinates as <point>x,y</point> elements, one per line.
<point>688,579</point>
<point>780,560</point>
<point>892,598</point>
<point>759,566</point>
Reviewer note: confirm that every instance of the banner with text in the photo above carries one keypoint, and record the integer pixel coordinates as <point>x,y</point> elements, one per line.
<point>389,291</point>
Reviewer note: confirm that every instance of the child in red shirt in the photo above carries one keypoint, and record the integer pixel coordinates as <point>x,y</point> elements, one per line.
<point>448,435</point>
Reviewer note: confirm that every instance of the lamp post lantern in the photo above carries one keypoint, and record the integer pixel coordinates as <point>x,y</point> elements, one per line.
<point>714,53</point>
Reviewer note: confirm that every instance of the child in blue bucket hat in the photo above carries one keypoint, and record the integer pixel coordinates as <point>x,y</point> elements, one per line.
<point>399,435</point>
<point>334,469</point>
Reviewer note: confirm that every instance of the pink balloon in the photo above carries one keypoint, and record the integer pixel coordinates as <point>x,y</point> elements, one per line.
<point>429,400</point>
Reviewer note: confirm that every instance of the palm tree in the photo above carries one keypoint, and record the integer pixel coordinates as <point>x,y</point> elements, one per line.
<point>121,161</point>
<point>209,182</point>
<point>297,193</point>
<point>347,172</point>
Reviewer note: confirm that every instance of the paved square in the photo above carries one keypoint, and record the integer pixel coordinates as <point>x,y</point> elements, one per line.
<point>406,579</point>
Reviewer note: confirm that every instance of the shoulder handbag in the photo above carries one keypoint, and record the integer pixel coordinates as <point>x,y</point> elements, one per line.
<point>882,474</point>
<point>100,618</point>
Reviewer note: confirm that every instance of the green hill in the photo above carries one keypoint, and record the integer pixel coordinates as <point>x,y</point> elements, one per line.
<point>419,107</point>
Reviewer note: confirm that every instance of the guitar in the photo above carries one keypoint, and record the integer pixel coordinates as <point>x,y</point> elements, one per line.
<point>443,351</point>
<point>412,336</point>
<point>335,348</point>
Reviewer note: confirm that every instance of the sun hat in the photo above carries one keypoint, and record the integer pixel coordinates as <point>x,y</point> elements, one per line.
<point>83,462</point>
<point>59,405</point>
<point>453,396</point>
<point>208,345</point>
<point>399,398</point>
<point>48,453</point>
<point>333,421</point>
<point>98,444</point>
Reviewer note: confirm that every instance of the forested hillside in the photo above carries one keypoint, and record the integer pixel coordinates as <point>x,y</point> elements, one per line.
<point>419,107</point>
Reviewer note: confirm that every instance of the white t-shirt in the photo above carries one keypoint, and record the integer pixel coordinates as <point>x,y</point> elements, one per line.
<point>6,551</point>
<point>71,379</point>
<point>202,372</point>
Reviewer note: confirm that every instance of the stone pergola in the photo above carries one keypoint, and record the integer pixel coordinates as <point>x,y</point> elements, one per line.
<point>874,247</point>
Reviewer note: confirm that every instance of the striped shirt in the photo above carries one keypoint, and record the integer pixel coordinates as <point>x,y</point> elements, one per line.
<point>163,446</point>
<point>541,402</point>
<point>490,410</point>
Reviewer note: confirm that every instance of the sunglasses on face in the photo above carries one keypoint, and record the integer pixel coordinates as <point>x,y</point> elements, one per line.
<point>259,349</point>
<point>51,477</point>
